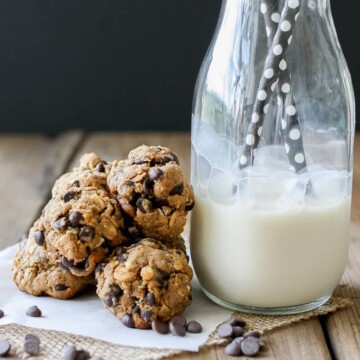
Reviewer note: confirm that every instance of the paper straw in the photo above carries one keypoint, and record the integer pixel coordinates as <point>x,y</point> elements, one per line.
<point>271,74</point>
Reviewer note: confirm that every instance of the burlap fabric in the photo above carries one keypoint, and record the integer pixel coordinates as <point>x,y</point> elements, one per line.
<point>53,342</point>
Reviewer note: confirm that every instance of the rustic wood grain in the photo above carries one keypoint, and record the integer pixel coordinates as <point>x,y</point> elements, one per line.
<point>29,166</point>
<point>304,340</point>
<point>344,326</point>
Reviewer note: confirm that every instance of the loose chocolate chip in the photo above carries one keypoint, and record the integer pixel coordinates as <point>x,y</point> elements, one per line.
<point>115,290</point>
<point>39,238</point>
<point>177,329</point>
<point>4,348</point>
<point>193,327</point>
<point>225,331</point>
<point>254,333</point>
<point>148,187</point>
<point>146,315</point>
<point>31,347</point>
<point>69,195</point>
<point>76,184</point>
<point>60,287</point>
<point>155,173</point>
<point>33,311</point>
<point>100,167</point>
<point>250,346</point>
<point>31,337</point>
<point>1,314</point>
<point>144,205</point>
<point>150,298</point>
<point>238,331</point>
<point>128,321</point>
<point>70,352</point>
<point>82,355</point>
<point>179,320</point>
<point>160,327</point>
<point>86,232</point>
<point>236,322</point>
<point>135,310</point>
<point>233,349</point>
<point>189,207</point>
<point>60,224</point>
<point>75,218</point>
<point>177,190</point>
<point>239,339</point>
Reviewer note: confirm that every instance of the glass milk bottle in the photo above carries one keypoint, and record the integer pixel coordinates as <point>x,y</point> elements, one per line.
<point>272,148</point>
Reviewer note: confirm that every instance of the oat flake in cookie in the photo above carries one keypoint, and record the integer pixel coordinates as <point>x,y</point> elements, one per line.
<point>35,274</point>
<point>145,282</point>
<point>153,191</point>
<point>80,228</point>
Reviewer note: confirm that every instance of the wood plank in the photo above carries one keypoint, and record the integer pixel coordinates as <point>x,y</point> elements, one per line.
<point>304,340</point>
<point>29,166</point>
<point>344,326</point>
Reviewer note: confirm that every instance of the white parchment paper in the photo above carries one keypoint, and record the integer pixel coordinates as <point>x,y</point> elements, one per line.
<point>86,316</point>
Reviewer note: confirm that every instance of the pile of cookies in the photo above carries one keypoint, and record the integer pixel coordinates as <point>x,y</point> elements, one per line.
<point>118,225</point>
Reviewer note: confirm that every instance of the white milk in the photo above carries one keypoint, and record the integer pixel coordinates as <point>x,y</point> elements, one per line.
<point>265,258</point>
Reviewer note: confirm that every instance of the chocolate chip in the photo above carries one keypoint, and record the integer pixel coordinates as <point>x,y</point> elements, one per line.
<point>159,202</point>
<point>144,205</point>
<point>76,184</point>
<point>254,333</point>
<point>82,355</point>
<point>31,337</point>
<point>193,327</point>
<point>139,161</point>
<point>33,311</point>
<point>150,298</point>
<point>108,301</point>
<point>238,331</point>
<point>148,187</point>
<point>31,347</point>
<point>39,238</point>
<point>155,173</point>
<point>60,224</point>
<point>189,207</point>
<point>2,314</point>
<point>68,264</point>
<point>128,321</point>
<point>60,287</point>
<point>70,352</point>
<point>69,195</point>
<point>163,274</point>
<point>146,315</point>
<point>115,290</point>
<point>75,218</point>
<point>225,331</point>
<point>63,267</point>
<point>177,190</point>
<point>86,232</point>
<point>4,348</point>
<point>122,258</point>
<point>136,310</point>
<point>236,322</point>
<point>179,320</point>
<point>250,346</point>
<point>170,156</point>
<point>160,327</point>
<point>177,329</point>
<point>233,349</point>
<point>99,268</point>
<point>100,167</point>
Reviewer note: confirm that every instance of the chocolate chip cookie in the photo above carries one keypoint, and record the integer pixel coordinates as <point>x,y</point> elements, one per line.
<point>145,282</point>
<point>92,173</point>
<point>79,228</point>
<point>36,274</point>
<point>153,191</point>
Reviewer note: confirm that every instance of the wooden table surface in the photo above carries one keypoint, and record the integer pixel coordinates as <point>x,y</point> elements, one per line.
<point>31,163</point>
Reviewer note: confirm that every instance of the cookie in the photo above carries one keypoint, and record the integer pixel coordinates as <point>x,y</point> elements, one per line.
<point>153,191</point>
<point>92,173</point>
<point>145,282</point>
<point>80,228</point>
<point>34,273</point>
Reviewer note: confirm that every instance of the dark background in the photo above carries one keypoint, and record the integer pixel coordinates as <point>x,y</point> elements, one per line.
<point>115,64</point>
